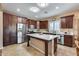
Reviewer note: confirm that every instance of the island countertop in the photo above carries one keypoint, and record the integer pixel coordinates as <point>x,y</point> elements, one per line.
<point>43,36</point>
<point>45,40</point>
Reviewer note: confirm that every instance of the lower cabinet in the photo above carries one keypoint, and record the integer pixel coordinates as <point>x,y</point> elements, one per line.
<point>9,39</point>
<point>13,39</point>
<point>68,40</point>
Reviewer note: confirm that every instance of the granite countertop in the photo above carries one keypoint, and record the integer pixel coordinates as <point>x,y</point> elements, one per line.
<point>43,36</point>
<point>53,33</point>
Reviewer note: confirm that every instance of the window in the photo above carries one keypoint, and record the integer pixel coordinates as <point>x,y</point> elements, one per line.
<point>54,26</point>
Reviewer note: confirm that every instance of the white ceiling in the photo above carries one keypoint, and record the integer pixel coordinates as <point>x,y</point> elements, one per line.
<point>51,9</point>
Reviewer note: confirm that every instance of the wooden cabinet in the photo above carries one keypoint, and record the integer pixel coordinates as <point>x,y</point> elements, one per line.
<point>68,40</point>
<point>24,20</point>
<point>5,29</point>
<point>63,23</point>
<point>43,24</point>
<point>12,28</point>
<point>67,21</point>
<point>32,22</point>
<point>9,29</point>
<point>28,22</point>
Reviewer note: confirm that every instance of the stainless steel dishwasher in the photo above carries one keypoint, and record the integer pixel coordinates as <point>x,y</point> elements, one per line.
<point>61,39</point>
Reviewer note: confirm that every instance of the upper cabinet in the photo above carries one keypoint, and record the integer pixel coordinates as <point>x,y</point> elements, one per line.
<point>33,22</point>
<point>24,20</point>
<point>28,22</point>
<point>67,21</point>
<point>43,24</point>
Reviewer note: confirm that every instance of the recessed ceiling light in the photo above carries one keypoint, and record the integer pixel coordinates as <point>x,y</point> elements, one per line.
<point>18,9</point>
<point>36,16</point>
<point>34,9</point>
<point>57,7</point>
<point>42,4</point>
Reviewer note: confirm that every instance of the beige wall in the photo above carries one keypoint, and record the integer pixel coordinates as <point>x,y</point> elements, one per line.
<point>76,24</point>
<point>1,29</point>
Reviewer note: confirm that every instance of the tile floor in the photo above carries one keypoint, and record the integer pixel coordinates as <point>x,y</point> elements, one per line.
<point>23,50</point>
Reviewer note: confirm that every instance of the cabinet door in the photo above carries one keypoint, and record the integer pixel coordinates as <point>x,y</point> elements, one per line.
<point>5,29</point>
<point>24,20</point>
<point>43,24</point>
<point>35,24</point>
<point>68,40</point>
<point>63,23</point>
<point>13,36</point>
<point>69,21</point>
<point>9,29</point>
<point>28,22</point>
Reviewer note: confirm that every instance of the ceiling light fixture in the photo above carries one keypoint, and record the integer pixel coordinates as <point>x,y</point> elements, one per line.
<point>57,7</point>
<point>34,9</point>
<point>18,10</point>
<point>42,4</point>
<point>36,16</point>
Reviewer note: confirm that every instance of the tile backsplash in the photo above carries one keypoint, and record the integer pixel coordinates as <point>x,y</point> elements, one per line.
<point>67,31</point>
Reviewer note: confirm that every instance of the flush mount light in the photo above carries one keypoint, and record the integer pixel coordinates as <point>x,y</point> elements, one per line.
<point>36,16</point>
<point>42,4</point>
<point>57,7</point>
<point>34,9</point>
<point>18,10</point>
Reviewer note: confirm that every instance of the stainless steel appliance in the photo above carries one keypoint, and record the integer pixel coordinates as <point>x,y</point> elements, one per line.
<point>61,40</point>
<point>22,29</point>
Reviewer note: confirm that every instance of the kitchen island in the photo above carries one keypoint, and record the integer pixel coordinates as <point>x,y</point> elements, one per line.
<point>46,40</point>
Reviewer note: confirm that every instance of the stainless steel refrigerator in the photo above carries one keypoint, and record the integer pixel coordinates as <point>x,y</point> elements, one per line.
<point>22,30</point>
